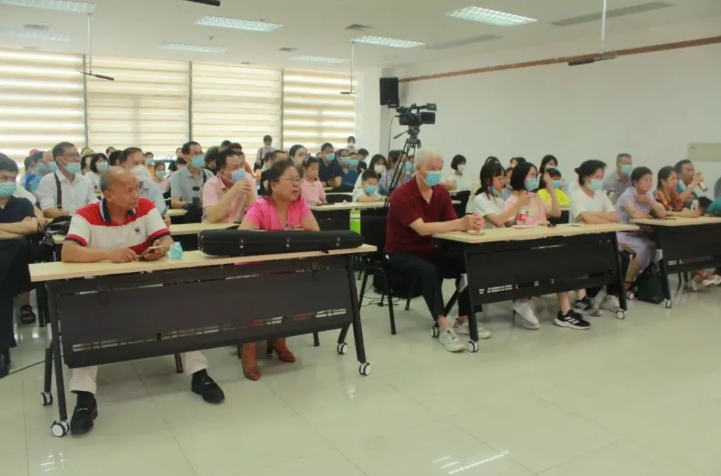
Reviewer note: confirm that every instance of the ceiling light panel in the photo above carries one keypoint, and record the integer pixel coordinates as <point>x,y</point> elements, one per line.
<point>232,23</point>
<point>391,42</point>
<point>193,48</point>
<point>35,35</point>
<point>492,17</point>
<point>319,59</point>
<point>59,5</point>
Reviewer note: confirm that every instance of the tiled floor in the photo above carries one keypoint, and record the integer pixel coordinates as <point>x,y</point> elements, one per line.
<point>640,397</point>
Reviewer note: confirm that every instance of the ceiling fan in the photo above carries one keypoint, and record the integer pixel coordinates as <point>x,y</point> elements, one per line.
<point>602,56</point>
<point>90,55</point>
<point>351,91</point>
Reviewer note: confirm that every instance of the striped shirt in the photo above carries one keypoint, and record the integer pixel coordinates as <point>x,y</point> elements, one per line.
<point>92,226</point>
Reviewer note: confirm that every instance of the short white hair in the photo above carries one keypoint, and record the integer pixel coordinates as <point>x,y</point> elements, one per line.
<point>425,154</point>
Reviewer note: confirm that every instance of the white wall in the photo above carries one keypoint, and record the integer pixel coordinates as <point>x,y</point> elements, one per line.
<point>649,105</point>
<point>368,109</point>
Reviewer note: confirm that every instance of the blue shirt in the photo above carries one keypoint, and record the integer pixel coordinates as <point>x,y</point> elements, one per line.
<point>349,178</point>
<point>330,171</point>
<point>384,184</point>
<point>151,191</point>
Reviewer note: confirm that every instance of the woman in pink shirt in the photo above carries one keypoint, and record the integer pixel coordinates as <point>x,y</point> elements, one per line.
<point>312,188</point>
<point>524,182</point>
<point>283,209</point>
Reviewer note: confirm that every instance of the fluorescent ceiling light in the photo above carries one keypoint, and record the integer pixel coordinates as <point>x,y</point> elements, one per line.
<point>194,48</point>
<point>60,5</point>
<point>393,43</point>
<point>220,22</point>
<point>35,35</point>
<point>319,59</point>
<point>493,17</point>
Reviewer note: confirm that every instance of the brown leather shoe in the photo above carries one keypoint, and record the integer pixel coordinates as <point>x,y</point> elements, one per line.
<point>249,361</point>
<point>279,347</point>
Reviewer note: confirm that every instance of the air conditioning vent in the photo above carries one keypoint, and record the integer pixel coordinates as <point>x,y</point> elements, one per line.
<point>30,26</point>
<point>463,42</point>
<point>614,13</point>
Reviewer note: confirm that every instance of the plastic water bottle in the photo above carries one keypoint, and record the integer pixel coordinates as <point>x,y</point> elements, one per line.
<point>176,252</point>
<point>522,215</point>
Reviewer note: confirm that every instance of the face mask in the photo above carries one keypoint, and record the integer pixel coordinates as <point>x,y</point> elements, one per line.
<point>141,172</point>
<point>72,167</point>
<point>557,184</point>
<point>531,184</point>
<point>53,167</point>
<point>7,189</point>
<point>330,157</point>
<point>161,174</point>
<point>380,169</point>
<point>370,189</point>
<point>149,161</point>
<point>461,168</point>
<point>626,169</point>
<point>681,186</point>
<point>408,167</point>
<point>101,166</point>
<point>198,161</point>
<point>238,175</point>
<point>433,178</point>
<point>351,162</point>
<point>595,184</point>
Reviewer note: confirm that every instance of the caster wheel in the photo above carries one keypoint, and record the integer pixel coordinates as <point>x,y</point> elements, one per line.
<point>365,369</point>
<point>60,428</point>
<point>435,332</point>
<point>342,348</point>
<point>667,303</point>
<point>630,295</point>
<point>47,398</point>
<point>472,347</point>
<point>620,314</point>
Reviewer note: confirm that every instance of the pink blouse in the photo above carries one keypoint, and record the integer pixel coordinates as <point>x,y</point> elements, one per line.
<point>313,192</point>
<point>265,216</point>
<point>533,214</point>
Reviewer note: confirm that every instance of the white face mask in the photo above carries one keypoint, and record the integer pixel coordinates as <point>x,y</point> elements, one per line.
<point>379,169</point>
<point>141,172</point>
<point>461,167</point>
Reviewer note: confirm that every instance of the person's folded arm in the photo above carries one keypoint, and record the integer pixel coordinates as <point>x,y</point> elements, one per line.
<point>335,182</point>
<point>175,193</point>
<point>28,226</point>
<point>635,213</point>
<point>612,217</point>
<point>75,253</point>
<point>216,209</point>
<point>555,209</point>
<point>659,210</point>
<point>6,235</point>
<point>593,218</point>
<point>427,229</point>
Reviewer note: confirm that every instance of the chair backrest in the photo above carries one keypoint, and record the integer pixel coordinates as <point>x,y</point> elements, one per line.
<point>338,197</point>
<point>373,228</point>
<point>462,197</point>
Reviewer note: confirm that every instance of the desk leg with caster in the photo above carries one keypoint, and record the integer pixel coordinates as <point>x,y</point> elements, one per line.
<point>365,367</point>
<point>60,427</point>
<point>472,321</point>
<point>663,265</point>
<point>620,282</point>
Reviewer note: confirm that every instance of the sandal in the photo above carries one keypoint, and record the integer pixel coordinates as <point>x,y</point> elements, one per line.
<point>27,315</point>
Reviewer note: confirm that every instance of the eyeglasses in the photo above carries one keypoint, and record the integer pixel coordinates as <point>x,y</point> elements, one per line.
<point>292,179</point>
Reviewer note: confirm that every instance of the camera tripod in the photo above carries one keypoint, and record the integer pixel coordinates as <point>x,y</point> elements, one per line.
<point>413,143</point>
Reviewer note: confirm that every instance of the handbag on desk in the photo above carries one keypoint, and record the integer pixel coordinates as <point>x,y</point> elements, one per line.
<point>242,243</point>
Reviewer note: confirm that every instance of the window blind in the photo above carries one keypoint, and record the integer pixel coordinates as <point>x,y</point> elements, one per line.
<point>146,106</point>
<point>41,102</point>
<point>315,111</point>
<point>236,103</point>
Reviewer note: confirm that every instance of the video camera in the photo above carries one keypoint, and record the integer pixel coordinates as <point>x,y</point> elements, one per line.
<point>413,117</point>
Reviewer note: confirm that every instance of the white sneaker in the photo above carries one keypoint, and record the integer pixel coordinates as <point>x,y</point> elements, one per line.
<point>464,329</point>
<point>527,318</point>
<point>451,342</point>
<point>716,279</point>
<point>611,303</point>
<point>708,282</point>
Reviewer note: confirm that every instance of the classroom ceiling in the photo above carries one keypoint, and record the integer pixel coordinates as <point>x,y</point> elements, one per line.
<point>318,28</point>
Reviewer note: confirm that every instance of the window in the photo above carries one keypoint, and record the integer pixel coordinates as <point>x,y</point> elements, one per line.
<point>146,106</point>
<point>236,103</point>
<point>41,102</point>
<point>315,111</point>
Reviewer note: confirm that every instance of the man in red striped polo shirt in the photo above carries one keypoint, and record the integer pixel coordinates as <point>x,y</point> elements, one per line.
<point>120,228</point>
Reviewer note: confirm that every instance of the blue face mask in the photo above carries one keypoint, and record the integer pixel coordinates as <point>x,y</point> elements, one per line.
<point>351,162</point>
<point>238,175</point>
<point>198,161</point>
<point>370,189</point>
<point>72,167</point>
<point>101,166</point>
<point>681,186</point>
<point>531,184</point>
<point>53,167</point>
<point>626,169</point>
<point>161,174</point>
<point>330,157</point>
<point>595,184</point>
<point>557,184</point>
<point>149,161</point>
<point>408,167</point>
<point>433,178</point>
<point>7,189</point>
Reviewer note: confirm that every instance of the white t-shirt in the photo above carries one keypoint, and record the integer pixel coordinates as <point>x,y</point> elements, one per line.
<point>359,192</point>
<point>21,192</point>
<point>580,202</point>
<point>483,206</point>
<point>463,181</point>
<point>94,178</point>
<point>75,195</point>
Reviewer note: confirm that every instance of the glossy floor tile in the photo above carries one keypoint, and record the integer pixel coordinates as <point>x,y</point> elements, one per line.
<point>637,397</point>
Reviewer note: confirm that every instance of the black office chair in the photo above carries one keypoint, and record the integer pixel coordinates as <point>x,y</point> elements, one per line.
<point>462,197</point>
<point>338,197</point>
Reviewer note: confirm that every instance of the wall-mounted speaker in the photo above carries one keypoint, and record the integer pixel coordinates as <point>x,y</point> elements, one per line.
<point>389,92</point>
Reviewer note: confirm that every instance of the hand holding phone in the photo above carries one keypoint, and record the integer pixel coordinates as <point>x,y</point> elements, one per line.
<point>153,253</point>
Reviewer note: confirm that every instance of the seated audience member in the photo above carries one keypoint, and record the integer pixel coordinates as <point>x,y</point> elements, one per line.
<point>98,166</point>
<point>330,172</point>
<point>65,191</point>
<point>209,160</point>
<point>489,205</point>
<point>368,192</point>
<point>689,180</point>
<point>133,159</point>
<point>186,185</point>
<point>637,202</point>
<point>17,221</point>
<point>31,169</point>
<point>400,171</point>
<point>620,179</point>
<point>548,162</point>
<point>227,196</point>
<point>523,181</point>
<point>109,151</point>
<point>668,196</point>
<point>283,209</point>
<point>351,145</point>
<point>377,164</point>
<point>515,161</point>
<point>297,155</point>
<point>311,188</point>
<point>275,157</point>
<point>557,183</point>
<point>590,205</point>
<point>120,229</point>
<point>85,153</point>
<point>458,180</point>
<point>266,149</point>
<point>160,176</point>
<point>363,159</point>
<point>224,145</point>
<point>420,208</point>
<point>149,158</point>
<point>43,167</point>
<point>350,172</point>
